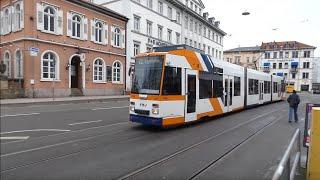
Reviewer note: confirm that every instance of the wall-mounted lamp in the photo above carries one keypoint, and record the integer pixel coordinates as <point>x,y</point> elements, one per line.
<point>67,66</point>
<point>88,67</point>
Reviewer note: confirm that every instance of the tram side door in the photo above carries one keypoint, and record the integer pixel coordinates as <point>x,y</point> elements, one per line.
<point>191,95</point>
<point>228,92</point>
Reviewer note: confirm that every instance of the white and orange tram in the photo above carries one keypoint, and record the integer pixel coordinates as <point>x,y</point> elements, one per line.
<point>178,84</point>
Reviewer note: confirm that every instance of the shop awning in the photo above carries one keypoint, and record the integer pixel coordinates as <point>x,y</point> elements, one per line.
<point>266,64</point>
<point>294,63</point>
<point>279,74</point>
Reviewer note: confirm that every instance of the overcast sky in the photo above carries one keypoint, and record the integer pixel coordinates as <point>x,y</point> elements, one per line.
<point>269,20</point>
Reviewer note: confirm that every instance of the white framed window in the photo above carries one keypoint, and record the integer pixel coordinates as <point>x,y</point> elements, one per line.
<point>7,62</point>
<point>149,4</point>
<point>136,23</point>
<point>178,17</point>
<point>99,32</point>
<point>116,37</point>
<point>186,22</point>
<point>200,29</point>
<point>18,18</point>
<point>149,28</point>
<point>160,7</point>
<point>18,70</point>
<point>49,66</point>
<point>117,72</point>
<point>76,26</point>
<point>49,19</point>
<point>195,27</point>
<point>136,48</point>
<point>169,12</point>
<point>178,38</point>
<point>6,21</point>
<point>160,32</point>
<point>169,35</point>
<point>191,25</point>
<point>99,70</point>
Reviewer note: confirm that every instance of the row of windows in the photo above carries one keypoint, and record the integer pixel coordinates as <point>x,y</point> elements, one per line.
<point>12,18</point>
<point>305,65</point>
<point>101,72</point>
<point>18,64</point>
<point>254,87</point>
<point>207,49</point>
<point>281,54</point>
<point>50,20</point>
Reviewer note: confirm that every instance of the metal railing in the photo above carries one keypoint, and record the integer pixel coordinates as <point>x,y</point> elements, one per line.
<point>284,169</point>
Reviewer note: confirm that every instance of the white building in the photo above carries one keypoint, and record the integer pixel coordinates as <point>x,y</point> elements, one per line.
<point>291,59</point>
<point>167,22</point>
<point>316,70</point>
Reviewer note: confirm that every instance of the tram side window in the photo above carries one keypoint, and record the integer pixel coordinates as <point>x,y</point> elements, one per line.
<point>218,89</point>
<point>253,86</point>
<point>172,81</point>
<point>267,87</point>
<point>237,86</point>
<point>275,87</point>
<point>205,89</point>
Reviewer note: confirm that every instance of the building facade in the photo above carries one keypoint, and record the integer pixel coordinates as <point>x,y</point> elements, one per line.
<point>62,48</point>
<point>244,56</point>
<point>167,22</point>
<point>291,59</point>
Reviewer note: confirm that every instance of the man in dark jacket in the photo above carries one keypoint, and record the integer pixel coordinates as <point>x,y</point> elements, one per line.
<point>293,101</point>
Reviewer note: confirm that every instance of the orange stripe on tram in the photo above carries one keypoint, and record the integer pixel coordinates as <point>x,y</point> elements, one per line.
<point>191,58</point>
<point>159,98</point>
<point>172,121</point>
<point>217,110</point>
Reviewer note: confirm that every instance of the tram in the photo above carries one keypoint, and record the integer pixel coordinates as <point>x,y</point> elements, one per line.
<point>175,85</point>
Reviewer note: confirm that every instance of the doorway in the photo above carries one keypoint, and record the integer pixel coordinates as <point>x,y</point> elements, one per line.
<point>75,75</point>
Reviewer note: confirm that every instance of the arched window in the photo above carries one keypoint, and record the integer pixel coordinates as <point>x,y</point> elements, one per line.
<point>49,66</point>
<point>17,16</point>
<point>99,71</point>
<point>7,62</point>
<point>98,33</point>
<point>116,72</point>
<point>117,37</point>
<point>49,19</point>
<point>18,64</point>
<point>76,26</point>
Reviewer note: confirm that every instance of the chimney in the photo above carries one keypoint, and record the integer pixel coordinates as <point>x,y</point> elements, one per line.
<point>211,20</point>
<point>217,23</point>
<point>206,15</point>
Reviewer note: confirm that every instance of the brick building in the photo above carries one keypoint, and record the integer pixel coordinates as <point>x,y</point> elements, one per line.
<point>62,48</point>
<point>244,56</point>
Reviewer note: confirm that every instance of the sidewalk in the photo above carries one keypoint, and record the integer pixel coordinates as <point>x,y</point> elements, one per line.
<point>62,99</point>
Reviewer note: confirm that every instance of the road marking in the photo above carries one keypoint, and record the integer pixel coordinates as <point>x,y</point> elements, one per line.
<point>13,115</point>
<point>86,122</point>
<point>58,144</point>
<point>35,130</point>
<point>15,138</point>
<point>120,107</point>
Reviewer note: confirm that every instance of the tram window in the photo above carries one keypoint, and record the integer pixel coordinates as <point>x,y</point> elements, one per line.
<point>205,89</point>
<point>172,81</point>
<point>256,87</point>
<point>237,85</point>
<point>218,89</point>
<point>267,87</point>
<point>253,86</point>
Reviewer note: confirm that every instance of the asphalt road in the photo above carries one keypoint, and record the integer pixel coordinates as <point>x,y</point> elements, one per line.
<point>96,141</point>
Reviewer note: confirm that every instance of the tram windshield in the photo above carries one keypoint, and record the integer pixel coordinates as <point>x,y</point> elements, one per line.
<point>147,76</point>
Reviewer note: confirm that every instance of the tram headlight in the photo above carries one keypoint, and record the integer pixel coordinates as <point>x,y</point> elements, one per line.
<point>132,106</point>
<point>155,109</point>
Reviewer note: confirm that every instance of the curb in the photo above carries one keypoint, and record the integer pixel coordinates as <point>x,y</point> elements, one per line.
<point>59,101</point>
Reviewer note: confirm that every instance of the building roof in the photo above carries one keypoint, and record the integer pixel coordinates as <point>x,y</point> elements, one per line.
<point>285,45</point>
<point>99,8</point>
<point>244,49</point>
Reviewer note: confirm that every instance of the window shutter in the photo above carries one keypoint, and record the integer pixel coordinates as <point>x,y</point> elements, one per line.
<point>1,23</point>
<point>92,30</point>
<point>39,17</point>
<point>85,28</point>
<point>22,15</point>
<point>123,38</point>
<point>105,34</point>
<point>112,35</point>
<point>60,22</point>
<point>69,24</point>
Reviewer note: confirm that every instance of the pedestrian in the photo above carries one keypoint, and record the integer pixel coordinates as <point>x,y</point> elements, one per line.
<point>293,101</point>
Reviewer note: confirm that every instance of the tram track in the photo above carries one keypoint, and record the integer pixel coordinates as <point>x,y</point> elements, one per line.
<point>195,145</point>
